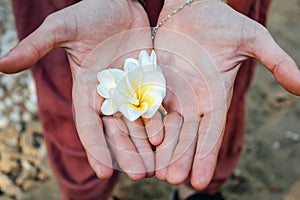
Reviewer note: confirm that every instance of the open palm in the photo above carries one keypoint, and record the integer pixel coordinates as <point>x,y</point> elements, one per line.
<point>206,43</point>
<point>79,29</point>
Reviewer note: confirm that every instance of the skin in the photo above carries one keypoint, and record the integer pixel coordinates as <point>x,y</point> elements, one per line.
<point>227,38</point>
<point>194,149</point>
<point>79,29</point>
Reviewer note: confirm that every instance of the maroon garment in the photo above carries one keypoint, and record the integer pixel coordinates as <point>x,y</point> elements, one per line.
<point>53,79</point>
<point>54,83</point>
<point>153,8</point>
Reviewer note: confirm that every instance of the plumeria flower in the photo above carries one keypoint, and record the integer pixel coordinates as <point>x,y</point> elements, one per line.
<point>108,82</point>
<point>137,91</point>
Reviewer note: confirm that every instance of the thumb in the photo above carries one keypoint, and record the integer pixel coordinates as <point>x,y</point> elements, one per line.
<point>32,48</point>
<point>284,68</point>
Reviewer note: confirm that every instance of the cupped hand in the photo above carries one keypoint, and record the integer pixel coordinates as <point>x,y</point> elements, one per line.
<point>202,47</point>
<point>79,29</point>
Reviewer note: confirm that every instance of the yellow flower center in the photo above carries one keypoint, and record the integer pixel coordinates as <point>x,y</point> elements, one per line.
<point>143,98</point>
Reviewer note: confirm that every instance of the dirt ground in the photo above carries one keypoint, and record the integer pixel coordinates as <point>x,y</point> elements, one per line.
<point>269,166</point>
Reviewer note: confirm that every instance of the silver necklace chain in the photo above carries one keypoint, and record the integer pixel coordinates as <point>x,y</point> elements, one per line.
<point>164,20</point>
<point>174,12</point>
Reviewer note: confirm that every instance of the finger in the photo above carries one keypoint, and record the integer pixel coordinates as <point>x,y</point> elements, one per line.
<point>209,140</point>
<point>98,154</point>
<point>164,152</point>
<point>139,138</point>
<point>89,124</point>
<point>276,60</point>
<point>33,47</point>
<point>124,150</point>
<point>154,129</point>
<point>90,131</point>
<point>183,155</point>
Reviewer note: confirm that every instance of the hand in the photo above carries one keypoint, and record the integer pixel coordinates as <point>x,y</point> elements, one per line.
<point>79,29</point>
<point>214,40</point>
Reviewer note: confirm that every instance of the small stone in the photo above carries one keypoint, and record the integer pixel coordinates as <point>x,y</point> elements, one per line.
<point>42,175</point>
<point>31,85</point>
<point>2,92</point>
<point>14,116</point>
<point>4,182</point>
<point>274,186</point>
<point>27,172</point>
<point>17,98</point>
<point>276,144</point>
<point>272,177</point>
<point>8,102</point>
<point>237,172</point>
<point>31,106</point>
<point>9,137</point>
<point>3,122</point>
<point>295,137</point>
<point>28,184</point>
<point>7,186</point>
<point>288,134</point>
<point>26,116</point>
<point>7,165</point>
<point>2,106</point>
<point>8,81</point>
<point>26,144</point>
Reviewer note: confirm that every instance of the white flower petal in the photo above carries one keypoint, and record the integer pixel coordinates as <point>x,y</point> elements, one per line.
<point>129,83</point>
<point>154,80</point>
<point>108,107</point>
<point>108,80</point>
<point>120,97</point>
<point>110,77</point>
<point>153,57</point>
<point>118,74</point>
<point>130,64</point>
<point>154,100</point>
<point>151,111</point>
<point>138,76</point>
<point>148,68</point>
<point>103,91</point>
<point>135,77</point>
<point>132,112</point>
<point>129,87</point>
<point>144,58</point>
<point>140,82</point>
<point>137,91</point>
